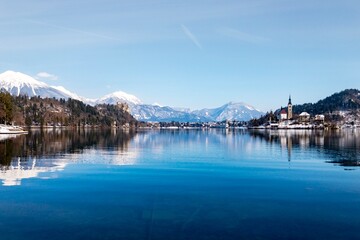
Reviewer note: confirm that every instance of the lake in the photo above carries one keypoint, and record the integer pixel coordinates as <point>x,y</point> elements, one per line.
<point>180,184</point>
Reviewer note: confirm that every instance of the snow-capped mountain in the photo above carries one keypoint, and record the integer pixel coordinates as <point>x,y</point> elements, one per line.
<point>230,111</point>
<point>155,112</point>
<point>17,83</point>
<point>119,96</point>
<point>145,112</point>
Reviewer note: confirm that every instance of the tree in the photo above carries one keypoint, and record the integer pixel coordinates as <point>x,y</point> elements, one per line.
<point>6,107</point>
<point>28,120</point>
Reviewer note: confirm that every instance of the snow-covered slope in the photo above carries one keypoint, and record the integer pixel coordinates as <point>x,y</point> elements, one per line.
<point>119,96</point>
<point>17,83</point>
<point>230,111</point>
<point>156,113</point>
<point>68,93</point>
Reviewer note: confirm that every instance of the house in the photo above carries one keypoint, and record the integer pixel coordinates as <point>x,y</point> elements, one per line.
<point>304,117</point>
<point>319,117</point>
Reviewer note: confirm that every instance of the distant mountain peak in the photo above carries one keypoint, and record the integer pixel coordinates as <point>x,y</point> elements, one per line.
<point>243,104</point>
<point>229,111</point>
<point>18,79</point>
<point>119,96</point>
<point>17,83</point>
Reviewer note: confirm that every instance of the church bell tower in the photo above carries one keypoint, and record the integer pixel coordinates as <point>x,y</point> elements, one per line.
<point>290,113</point>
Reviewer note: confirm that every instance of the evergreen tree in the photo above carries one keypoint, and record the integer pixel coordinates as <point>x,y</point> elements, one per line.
<point>6,107</point>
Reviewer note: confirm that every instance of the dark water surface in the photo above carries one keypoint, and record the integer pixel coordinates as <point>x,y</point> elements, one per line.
<point>197,184</point>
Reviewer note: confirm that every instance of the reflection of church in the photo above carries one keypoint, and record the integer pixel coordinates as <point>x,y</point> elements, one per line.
<point>286,142</point>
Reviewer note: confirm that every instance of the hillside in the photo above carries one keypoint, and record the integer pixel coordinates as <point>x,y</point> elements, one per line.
<point>52,112</point>
<point>346,100</point>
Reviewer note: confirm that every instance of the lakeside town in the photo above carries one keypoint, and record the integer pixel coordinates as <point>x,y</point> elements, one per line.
<point>283,118</point>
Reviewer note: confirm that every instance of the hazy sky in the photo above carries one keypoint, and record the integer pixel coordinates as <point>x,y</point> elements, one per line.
<point>187,53</point>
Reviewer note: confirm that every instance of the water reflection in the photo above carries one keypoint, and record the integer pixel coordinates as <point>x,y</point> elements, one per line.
<point>18,170</point>
<point>45,153</point>
<point>340,147</point>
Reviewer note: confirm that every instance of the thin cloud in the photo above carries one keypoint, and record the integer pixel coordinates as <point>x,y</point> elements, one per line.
<point>191,36</point>
<point>243,36</point>
<point>47,76</point>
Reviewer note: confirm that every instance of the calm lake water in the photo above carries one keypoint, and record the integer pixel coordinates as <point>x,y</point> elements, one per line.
<point>196,184</point>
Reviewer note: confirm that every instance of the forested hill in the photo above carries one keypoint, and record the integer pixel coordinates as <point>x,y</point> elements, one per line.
<point>348,99</point>
<point>50,111</point>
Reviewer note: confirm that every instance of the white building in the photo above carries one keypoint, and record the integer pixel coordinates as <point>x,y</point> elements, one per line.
<point>283,115</point>
<point>304,117</point>
<point>319,117</point>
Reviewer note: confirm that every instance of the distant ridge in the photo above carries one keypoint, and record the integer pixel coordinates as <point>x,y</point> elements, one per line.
<point>230,111</point>
<point>17,83</point>
<point>119,96</point>
<point>348,99</point>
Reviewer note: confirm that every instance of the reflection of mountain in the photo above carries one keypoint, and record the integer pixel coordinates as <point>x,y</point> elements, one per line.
<point>18,170</point>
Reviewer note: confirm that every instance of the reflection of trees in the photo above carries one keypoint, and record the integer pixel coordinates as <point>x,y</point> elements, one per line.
<point>52,143</point>
<point>341,146</point>
<point>6,150</point>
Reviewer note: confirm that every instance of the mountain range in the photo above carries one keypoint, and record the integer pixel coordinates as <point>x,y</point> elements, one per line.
<point>17,83</point>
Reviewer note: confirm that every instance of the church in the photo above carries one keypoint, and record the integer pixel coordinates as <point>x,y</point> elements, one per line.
<point>286,113</point>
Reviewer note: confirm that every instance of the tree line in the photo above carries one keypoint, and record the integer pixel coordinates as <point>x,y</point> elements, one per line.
<point>36,111</point>
<point>348,99</point>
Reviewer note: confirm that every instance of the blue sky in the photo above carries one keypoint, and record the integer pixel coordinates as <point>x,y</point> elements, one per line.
<point>193,54</point>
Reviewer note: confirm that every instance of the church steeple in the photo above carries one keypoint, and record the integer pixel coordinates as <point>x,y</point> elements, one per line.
<point>289,112</point>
